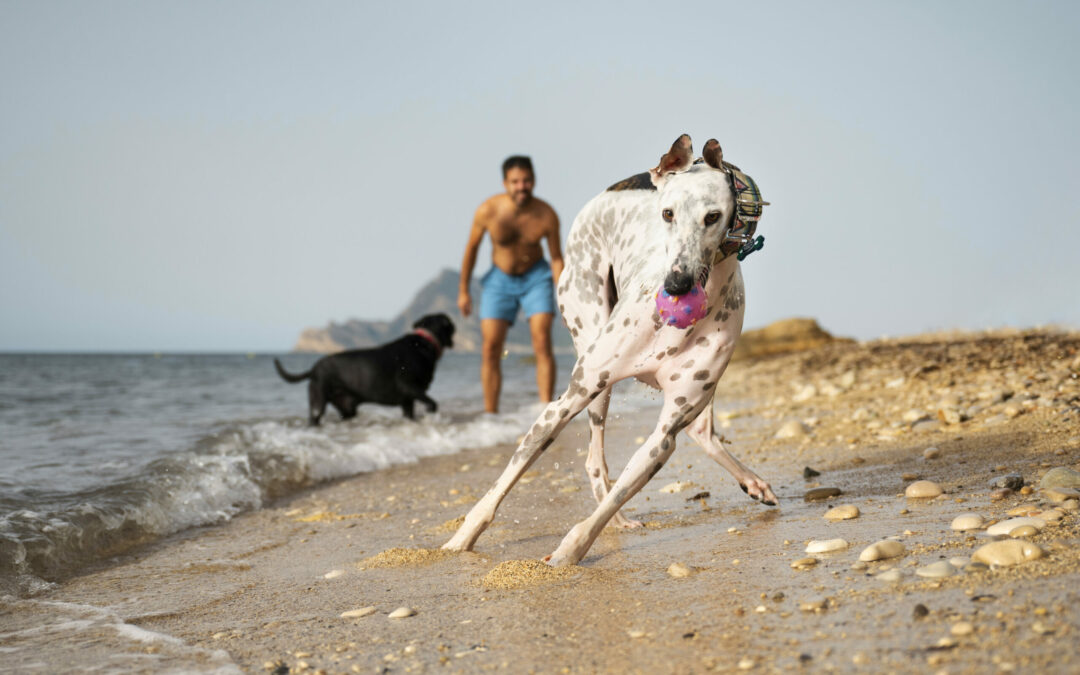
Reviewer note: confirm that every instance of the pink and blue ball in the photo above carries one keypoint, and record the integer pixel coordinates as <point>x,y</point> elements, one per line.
<point>682,311</point>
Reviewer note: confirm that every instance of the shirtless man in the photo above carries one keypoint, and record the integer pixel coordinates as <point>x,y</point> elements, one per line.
<point>519,276</point>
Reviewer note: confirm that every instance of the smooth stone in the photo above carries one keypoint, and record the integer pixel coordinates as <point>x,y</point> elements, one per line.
<point>333,574</point>
<point>923,489</point>
<point>1071,505</point>
<point>931,453</point>
<point>999,494</point>
<point>401,613</point>
<point>1007,552</point>
<point>677,570</point>
<point>962,628</point>
<point>959,562</point>
<point>891,576</point>
<point>842,512</point>
<point>1007,526</point>
<point>976,567</point>
<point>967,521</point>
<point>936,570</point>
<point>920,611</point>
<point>792,429</point>
<point>882,550</point>
<point>1058,495</point>
<point>677,486</point>
<point>808,473</point>
<point>1061,476</point>
<point>1023,531</point>
<point>1013,481</point>
<point>821,493</point>
<point>804,563</point>
<point>826,546</point>
<point>1022,510</point>
<point>358,613</point>
<point>1051,516</point>
<point>814,605</point>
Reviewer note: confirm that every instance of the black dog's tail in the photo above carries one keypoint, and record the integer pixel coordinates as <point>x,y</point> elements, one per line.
<point>289,377</point>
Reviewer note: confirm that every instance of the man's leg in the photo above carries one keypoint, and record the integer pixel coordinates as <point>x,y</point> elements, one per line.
<point>540,328</point>
<point>493,332</point>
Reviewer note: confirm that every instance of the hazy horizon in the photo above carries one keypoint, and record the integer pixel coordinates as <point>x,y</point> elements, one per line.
<point>206,177</point>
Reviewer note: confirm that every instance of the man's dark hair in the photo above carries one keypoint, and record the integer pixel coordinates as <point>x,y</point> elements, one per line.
<point>517,162</point>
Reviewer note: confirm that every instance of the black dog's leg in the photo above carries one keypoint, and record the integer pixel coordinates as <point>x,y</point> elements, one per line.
<point>346,405</point>
<point>407,408</point>
<point>316,403</point>
<point>432,406</point>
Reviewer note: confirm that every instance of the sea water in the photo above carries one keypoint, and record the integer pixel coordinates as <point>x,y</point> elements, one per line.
<point>99,452</point>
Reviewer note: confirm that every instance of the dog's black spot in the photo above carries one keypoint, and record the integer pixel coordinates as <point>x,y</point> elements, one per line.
<point>675,376</point>
<point>622,496</point>
<point>654,452</point>
<point>701,341</point>
<point>666,443</point>
<point>547,444</point>
<point>595,419</point>
<point>655,470</point>
<point>564,412</point>
<point>701,375</point>
<point>707,386</point>
<point>639,181</point>
<point>672,350</point>
<point>680,400</point>
<point>688,364</point>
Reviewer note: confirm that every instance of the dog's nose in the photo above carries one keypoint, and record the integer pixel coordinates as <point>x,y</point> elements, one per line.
<point>678,283</point>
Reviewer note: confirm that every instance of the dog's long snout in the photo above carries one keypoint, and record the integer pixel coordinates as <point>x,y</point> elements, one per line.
<point>678,282</point>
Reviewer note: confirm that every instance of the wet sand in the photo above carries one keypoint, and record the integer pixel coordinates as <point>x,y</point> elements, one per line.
<point>255,594</point>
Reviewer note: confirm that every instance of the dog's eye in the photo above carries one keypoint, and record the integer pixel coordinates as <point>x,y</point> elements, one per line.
<point>711,218</point>
<point>668,215</point>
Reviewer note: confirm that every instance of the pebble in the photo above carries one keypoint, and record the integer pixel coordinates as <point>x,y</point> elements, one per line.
<point>677,486</point>
<point>1023,531</point>
<point>401,613</point>
<point>891,576</point>
<point>821,493</point>
<point>962,628</point>
<point>1061,494</point>
<point>746,664</point>
<point>1007,552</point>
<point>1061,476</point>
<point>923,489</point>
<point>931,453</point>
<point>808,473</point>
<point>967,521</point>
<point>814,605</point>
<point>792,429</point>
<point>804,563</point>
<point>920,611</point>
<point>358,613</point>
<point>976,567</point>
<point>843,512</point>
<point>1007,526</point>
<point>333,574</point>
<point>677,570</point>
<point>1013,481</point>
<point>1022,510</point>
<point>908,476</point>
<point>936,570</point>
<point>826,545</point>
<point>999,494</point>
<point>635,634</point>
<point>950,415</point>
<point>1051,516</point>
<point>959,562</point>
<point>882,550</point>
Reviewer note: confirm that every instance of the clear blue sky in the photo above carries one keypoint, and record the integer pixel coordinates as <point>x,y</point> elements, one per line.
<point>220,175</point>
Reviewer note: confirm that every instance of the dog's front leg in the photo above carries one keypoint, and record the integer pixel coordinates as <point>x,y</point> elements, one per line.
<point>644,464</point>
<point>584,387</point>
<point>701,431</point>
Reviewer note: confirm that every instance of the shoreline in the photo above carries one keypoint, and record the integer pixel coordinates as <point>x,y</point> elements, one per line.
<point>254,591</point>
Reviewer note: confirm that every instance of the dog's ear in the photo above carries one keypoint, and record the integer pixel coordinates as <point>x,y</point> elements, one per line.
<point>679,158</point>
<point>713,155</point>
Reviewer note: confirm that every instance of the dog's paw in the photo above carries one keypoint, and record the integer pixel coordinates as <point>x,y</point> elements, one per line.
<point>625,523</point>
<point>759,490</point>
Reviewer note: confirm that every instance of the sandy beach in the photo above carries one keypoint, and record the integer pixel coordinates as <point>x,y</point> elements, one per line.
<point>714,582</point>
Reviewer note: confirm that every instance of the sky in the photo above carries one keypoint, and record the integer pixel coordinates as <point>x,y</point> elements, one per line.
<point>217,176</point>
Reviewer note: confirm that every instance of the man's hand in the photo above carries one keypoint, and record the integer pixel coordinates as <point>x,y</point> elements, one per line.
<point>464,303</point>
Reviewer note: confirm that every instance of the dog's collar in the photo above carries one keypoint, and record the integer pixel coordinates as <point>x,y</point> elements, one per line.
<point>749,205</point>
<point>430,337</point>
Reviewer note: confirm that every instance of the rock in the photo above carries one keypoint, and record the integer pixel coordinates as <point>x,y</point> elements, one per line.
<point>814,605</point>
<point>923,489</point>
<point>882,550</point>
<point>842,512</point>
<point>677,486</point>
<point>999,494</point>
<point>808,473</point>
<point>975,567</point>
<point>805,394</point>
<point>792,429</point>
<point>635,634</point>
<point>402,613</point>
<point>358,613</point>
<point>826,546</point>
<point>1061,477</point>
<point>950,415</point>
<point>804,563</point>
<point>1023,531</point>
<point>1007,552</point>
<point>959,562</point>
<point>1012,481</point>
<point>1007,526</point>
<point>1060,494</point>
<point>891,576</point>
<point>909,476</point>
<point>822,493</point>
<point>746,664</point>
<point>333,574</point>
<point>1012,409</point>
<point>931,453</point>
<point>1023,510</point>
<point>920,611</point>
<point>677,570</point>
<point>936,570</point>
<point>1053,515</point>
<point>914,415</point>
<point>962,628</point>
<point>967,521</point>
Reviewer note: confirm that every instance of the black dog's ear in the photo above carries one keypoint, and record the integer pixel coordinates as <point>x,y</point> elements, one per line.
<point>679,158</point>
<point>713,155</point>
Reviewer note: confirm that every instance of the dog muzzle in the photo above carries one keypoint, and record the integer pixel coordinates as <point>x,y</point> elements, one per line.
<point>739,239</point>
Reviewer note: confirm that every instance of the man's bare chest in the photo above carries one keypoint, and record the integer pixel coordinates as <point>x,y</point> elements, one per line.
<point>519,230</point>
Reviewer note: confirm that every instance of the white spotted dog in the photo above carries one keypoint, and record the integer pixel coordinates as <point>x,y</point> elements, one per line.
<point>670,228</point>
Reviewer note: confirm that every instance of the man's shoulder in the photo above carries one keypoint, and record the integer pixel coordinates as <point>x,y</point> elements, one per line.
<point>543,208</point>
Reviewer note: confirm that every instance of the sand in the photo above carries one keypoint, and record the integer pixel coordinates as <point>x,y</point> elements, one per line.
<point>267,589</point>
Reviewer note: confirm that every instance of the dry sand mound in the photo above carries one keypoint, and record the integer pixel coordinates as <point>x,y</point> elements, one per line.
<point>524,573</point>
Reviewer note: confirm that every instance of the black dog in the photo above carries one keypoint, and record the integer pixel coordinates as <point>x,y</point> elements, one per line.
<point>397,373</point>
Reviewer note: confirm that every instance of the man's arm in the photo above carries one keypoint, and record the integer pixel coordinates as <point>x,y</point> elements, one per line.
<point>554,247</point>
<point>476,235</point>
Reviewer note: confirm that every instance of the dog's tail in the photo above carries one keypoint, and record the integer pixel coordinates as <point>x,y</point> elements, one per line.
<point>289,377</point>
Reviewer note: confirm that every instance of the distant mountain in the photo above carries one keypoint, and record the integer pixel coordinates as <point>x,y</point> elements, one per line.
<point>438,295</point>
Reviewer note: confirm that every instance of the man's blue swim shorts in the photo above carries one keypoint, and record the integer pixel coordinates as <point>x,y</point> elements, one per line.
<point>503,294</point>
